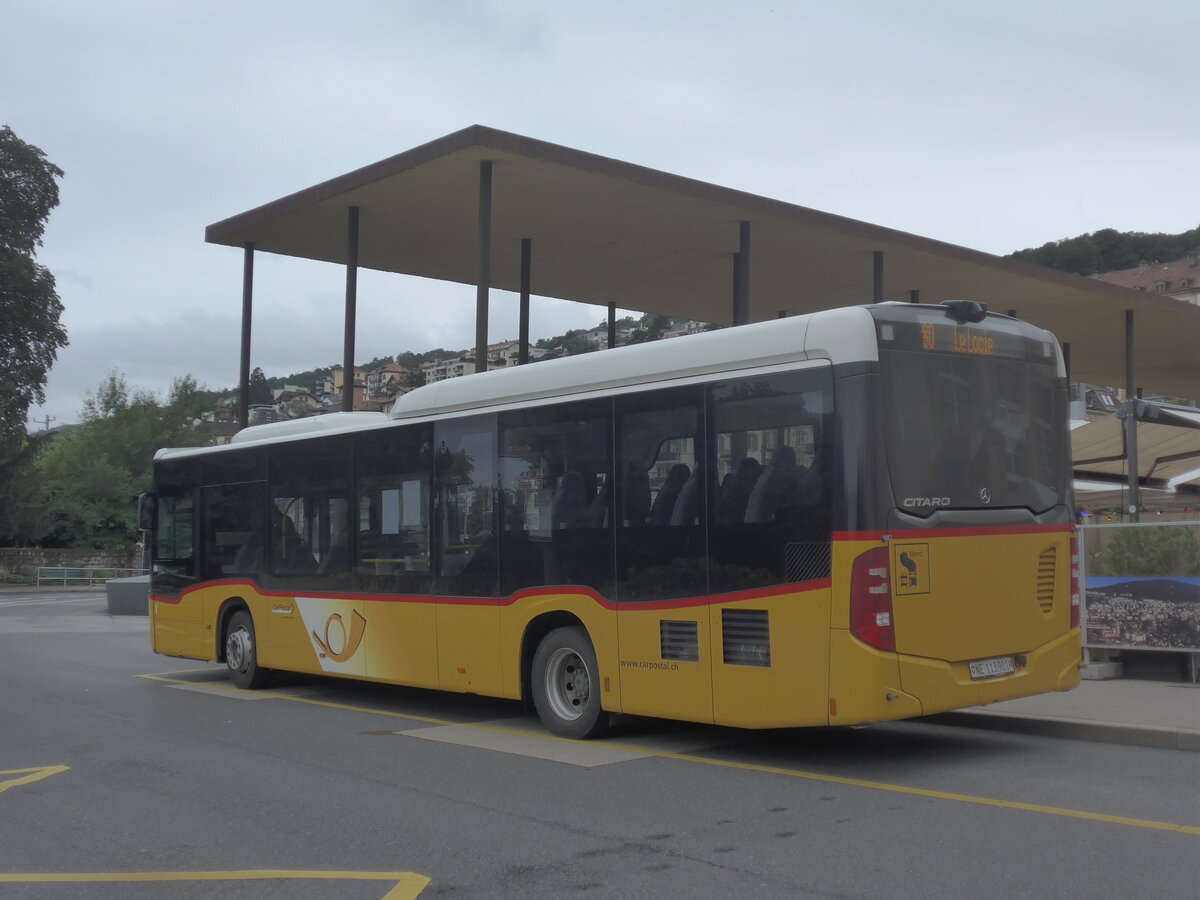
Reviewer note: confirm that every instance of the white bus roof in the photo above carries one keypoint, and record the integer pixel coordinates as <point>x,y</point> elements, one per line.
<point>846,334</point>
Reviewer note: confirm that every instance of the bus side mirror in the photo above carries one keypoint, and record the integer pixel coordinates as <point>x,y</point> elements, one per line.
<point>147,504</point>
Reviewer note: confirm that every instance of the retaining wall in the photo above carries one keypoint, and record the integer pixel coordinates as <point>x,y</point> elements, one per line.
<point>25,560</point>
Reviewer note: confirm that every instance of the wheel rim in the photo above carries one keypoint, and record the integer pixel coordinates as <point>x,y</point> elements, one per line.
<point>568,684</point>
<point>238,650</point>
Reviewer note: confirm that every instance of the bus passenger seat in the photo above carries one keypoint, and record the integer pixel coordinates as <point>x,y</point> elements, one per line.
<point>664,503</point>
<point>775,488</point>
<point>735,492</point>
<point>687,507</point>
<point>570,503</point>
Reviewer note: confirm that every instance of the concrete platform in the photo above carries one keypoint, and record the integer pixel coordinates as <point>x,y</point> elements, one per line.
<point>1120,711</point>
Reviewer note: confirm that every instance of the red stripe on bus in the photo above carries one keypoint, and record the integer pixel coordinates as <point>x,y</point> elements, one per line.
<point>975,531</point>
<point>510,600</point>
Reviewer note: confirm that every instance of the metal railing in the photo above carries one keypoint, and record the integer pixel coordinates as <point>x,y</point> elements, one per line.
<point>90,576</point>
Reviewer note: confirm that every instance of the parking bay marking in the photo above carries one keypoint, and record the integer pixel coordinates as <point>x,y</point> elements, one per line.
<point>408,885</point>
<point>776,770</point>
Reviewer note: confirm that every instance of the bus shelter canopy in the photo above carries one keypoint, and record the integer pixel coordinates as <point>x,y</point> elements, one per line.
<point>1166,449</point>
<point>604,231</point>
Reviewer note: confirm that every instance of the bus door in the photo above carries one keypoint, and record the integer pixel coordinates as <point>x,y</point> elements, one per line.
<point>661,556</point>
<point>313,623</point>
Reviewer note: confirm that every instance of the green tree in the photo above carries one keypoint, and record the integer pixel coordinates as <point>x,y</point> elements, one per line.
<point>1166,551</point>
<point>260,391</point>
<point>1079,255</point>
<point>22,517</point>
<point>30,331</point>
<point>1109,250</point>
<point>90,478</point>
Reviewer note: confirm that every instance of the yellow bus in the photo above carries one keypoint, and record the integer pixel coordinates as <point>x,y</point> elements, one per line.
<point>858,515</point>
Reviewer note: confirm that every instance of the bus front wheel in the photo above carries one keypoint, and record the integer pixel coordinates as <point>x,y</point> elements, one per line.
<point>241,655</point>
<point>566,685</point>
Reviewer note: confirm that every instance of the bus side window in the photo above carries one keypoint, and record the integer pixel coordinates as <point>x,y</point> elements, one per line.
<point>174,556</point>
<point>662,491</point>
<point>555,470</point>
<point>468,558</point>
<point>309,509</point>
<point>392,477</point>
<point>231,528</point>
<point>773,520</point>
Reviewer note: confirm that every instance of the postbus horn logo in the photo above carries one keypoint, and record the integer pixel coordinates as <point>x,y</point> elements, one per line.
<point>340,647</point>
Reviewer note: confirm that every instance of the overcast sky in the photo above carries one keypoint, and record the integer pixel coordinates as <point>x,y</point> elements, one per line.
<point>993,126</point>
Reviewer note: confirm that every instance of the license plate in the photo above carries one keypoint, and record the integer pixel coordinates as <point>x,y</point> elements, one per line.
<point>990,668</point>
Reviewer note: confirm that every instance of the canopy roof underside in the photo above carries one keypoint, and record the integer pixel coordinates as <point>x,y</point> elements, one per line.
<point>1164,451</point>
<point>605,231</point>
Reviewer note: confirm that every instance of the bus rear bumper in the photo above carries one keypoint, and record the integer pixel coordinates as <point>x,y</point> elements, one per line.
<point>943,686</point>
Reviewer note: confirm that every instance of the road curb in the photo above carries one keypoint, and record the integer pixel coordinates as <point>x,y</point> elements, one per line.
<point>1075,729</point>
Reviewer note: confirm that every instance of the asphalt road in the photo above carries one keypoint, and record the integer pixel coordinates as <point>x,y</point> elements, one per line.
<point>126,774</point>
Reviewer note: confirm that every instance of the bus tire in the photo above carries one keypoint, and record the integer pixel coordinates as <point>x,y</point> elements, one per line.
<point>241,653</point>
<point>564,677</point>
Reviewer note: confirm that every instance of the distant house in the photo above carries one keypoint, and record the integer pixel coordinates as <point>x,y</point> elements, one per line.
<point>360,384</point>
<point>387,381</point>
<point>295,403</point>
<point>262,413</point>
<point>499,356</point>
<point>681,328</point>
<point>1179,279</point>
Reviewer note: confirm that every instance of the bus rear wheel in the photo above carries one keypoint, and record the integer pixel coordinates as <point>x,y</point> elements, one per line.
<point>241,655</point>
<point>566,685</point>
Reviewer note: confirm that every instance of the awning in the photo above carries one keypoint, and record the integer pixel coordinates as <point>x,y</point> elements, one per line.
<point>1168,444</point>
<point>603,231</point>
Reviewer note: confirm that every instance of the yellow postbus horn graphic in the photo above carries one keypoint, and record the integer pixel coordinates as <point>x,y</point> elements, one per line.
<point>358,626</point>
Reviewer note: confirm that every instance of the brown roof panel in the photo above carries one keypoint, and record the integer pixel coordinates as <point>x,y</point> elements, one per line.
<point>608,231</point>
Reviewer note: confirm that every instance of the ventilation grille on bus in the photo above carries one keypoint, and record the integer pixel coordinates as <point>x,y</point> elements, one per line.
<point>678,641</point>
<point>806,560</point>
<point>1047,563</point>
<point>745,637</point>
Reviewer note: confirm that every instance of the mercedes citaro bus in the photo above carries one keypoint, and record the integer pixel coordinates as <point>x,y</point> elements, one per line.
<point>857,515</point>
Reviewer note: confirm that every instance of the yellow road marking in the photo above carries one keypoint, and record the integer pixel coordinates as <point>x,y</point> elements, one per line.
<point>28,775</point>
<point>408,884</point>
<point>775,770</point>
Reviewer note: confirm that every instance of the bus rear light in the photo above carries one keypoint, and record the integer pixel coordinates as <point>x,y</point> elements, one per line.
<point>1075,595</point>
<point>871,600</point>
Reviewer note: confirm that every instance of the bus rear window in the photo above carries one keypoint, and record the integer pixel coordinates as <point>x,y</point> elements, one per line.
<point>972,431</point>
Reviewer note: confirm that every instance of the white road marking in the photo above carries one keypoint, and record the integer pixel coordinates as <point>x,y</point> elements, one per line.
<point>73,624</point>
<point>483,737</point>
<point>41,601</point>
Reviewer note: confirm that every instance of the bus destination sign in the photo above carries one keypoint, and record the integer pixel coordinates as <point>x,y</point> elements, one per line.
<point>963,339</point>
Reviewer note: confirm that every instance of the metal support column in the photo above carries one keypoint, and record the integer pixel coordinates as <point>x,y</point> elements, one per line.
<point>1131,445</point>
<point>483,278</point>
<point>741,276</point>
<point>523,324</point>
<point>877,288</point>
<point>247,303</point>
<point>351,309</point>
<point>612,325</point>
